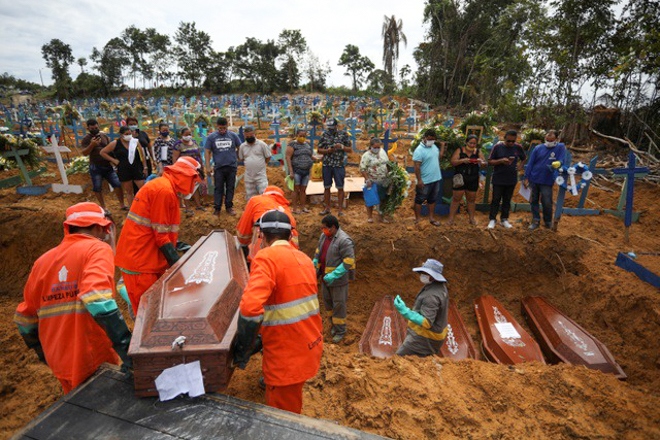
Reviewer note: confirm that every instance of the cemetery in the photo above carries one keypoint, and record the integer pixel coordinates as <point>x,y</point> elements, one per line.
<point>594,274</point>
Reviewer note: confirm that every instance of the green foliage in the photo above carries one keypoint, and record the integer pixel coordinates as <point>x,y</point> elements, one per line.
<point>484,119</point>
<point>192,52</point>
<point>58,57</point>
<point>357,66</point>
<point>398,190</point>
<point>452,138</point>
<point>79,165</point>
<point>532,134</point>
<point>31,160</point>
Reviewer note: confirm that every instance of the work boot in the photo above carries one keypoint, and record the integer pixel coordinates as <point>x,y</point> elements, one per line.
<point>262,383</point>
<point>506,224</point>
<point>533,226</point>
<point>491,224</point>
<point>337,338</point>
<point>216,211</point>
<point>231,212</point>
<point>548,225</point>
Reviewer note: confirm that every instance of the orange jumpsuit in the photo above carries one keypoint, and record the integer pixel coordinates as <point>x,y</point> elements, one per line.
<point>152,222</point>
<point>272,198</point>
<point>282,294</point>
<point>62,284</point>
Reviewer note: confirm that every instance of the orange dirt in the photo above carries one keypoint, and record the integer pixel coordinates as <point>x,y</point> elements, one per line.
<point>414,398</point>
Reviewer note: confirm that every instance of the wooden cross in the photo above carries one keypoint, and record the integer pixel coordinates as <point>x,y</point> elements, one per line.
<point>581,210</point>
<point>630,173</point>
<point>566,182</point>
<point>353,130</point>
<point>387,140</point>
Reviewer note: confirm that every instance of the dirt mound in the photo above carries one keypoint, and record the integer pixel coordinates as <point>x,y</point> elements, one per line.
<point>410,397</point>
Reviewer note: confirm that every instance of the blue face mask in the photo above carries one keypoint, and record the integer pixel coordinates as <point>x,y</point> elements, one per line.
<point>164,133</point>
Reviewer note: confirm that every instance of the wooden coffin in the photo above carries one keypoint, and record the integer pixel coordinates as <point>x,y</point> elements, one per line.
<point>562,339</point>
<point>196,298</point>
<point>385,331</point>
<point>504,340</point>
<point>458,344</point>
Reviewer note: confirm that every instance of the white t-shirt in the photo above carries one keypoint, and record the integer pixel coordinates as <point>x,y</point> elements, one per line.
<point>255,157</point>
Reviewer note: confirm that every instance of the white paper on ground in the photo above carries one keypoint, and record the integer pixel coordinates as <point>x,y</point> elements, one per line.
<point>507,330</point>
<point>181,379</point>
<point>526,193</point>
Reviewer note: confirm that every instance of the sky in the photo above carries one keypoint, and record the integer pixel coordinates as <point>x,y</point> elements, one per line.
<point>84,24</point>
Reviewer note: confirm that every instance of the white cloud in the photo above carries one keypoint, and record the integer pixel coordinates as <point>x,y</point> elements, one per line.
<point>84,24</point>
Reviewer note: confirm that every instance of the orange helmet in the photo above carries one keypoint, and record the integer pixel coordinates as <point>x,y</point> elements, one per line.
<point>85,214</point>
<point>185,174</point>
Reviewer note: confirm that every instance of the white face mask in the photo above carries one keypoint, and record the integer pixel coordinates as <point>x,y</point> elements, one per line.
<point>429,144</point>
<point>189,196</point>
<point>550,144</point>
<point>187,138</point>
<point>127,137</point>
<point>375,151</point>
<point>425,279</point>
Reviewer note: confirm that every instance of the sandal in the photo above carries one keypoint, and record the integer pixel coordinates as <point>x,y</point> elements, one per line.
<point>370,220</point>
<point>324,212</point>
<point>125,208</point>
<point>305,210</point>
<point>435,223</point>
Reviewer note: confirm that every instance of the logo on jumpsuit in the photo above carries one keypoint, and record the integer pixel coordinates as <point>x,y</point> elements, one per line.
<point>62,274</point>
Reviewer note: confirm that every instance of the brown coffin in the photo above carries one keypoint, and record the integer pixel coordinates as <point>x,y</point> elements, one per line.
<point>385,331</point>
<point>197,298</point>
<point>504,340</point>
<point>562,339</point>
<point>458,344</point>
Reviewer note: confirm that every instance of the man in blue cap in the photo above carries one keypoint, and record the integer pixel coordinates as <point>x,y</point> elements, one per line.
<point>427,321</point>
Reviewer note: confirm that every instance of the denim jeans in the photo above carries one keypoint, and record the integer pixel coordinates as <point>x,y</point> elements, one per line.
<point>501,193</point>
<point>544,193</point>
<point>224,179</point>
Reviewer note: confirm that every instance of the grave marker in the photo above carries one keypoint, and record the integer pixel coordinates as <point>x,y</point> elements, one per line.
<point>630,173</point>
<point>63,187</point>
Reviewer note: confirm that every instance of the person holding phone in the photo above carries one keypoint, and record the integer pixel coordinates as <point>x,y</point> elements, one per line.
<point>507,159</point>
<point>99,168</point>
<point>333,145</point>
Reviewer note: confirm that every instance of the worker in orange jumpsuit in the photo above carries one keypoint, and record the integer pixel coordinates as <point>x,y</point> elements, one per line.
<point>68,314</point>
<point>147,243</point>
<point>281,299</point>
<point>272,198</point>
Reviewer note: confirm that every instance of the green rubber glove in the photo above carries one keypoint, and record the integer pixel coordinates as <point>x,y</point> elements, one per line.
<point>170,253</point>
<point>245,342</point>
<point>115,327</point>
<point>404,310</point>
<point>333,276</point>
<point>316,263</point>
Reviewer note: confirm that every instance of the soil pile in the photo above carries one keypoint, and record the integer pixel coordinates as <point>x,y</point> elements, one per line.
<point>415,398</point>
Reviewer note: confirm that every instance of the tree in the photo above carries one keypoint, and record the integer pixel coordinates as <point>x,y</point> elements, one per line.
<point>404,73</point>
<point>110,62</point>
<point>315,72</point>
<point>82,62</point>
<point>393,35</point>
<point>357,66</point>
<point>192,52</point>
<point>58,57</point>
<point>137,46</point>
<point>254,62</point>
<point>292,46</point>
<point>378,81</point>
<point>160,57</point>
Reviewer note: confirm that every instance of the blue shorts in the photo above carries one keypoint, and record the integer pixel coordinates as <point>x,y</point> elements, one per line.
<point>100,172</point>
<point>336,173</point>
<point>429,193</point>
<point>300,178</point>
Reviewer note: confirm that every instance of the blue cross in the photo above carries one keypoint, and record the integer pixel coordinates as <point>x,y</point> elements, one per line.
<point>630,172</point>
<point>353,130</point>
<point>277,135</point>
<point>581,210</point>
<point>387,140</point>
<point>313,136</point>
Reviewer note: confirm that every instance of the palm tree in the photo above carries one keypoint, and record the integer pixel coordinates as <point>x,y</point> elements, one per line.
<point>392,35</point>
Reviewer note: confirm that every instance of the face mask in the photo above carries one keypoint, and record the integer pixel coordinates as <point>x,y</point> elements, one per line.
<point>127,137</point>
<point>250,139</point>
<point>429,144</point>
<point>133,127</point>
<point>94,131</point>
<point>425,279</point>
<point>375,150</point>
<point>327,232</point>
<point>300,139</point>
<point>187,138</point>
<point>164,133</point>
<point>550,144</point>
<point>189,196</point>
